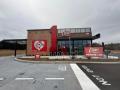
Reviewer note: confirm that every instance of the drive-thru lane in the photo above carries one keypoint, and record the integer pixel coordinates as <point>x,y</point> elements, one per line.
<point>105,76</point>
<point>16,75</point>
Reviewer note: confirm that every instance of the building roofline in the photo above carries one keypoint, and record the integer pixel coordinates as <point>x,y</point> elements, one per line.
<point>38,29</point>
<point>76,28</point>
<point>59,29</point>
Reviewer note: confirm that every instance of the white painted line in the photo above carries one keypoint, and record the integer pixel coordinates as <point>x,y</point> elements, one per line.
<point>54,78</point>
<point>1,79</point>
<point>24,78</point>
<point>65,68</point>
<point>84,81</point>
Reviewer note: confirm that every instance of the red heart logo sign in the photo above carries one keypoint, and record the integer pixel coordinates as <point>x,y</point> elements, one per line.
<point>39,45</point>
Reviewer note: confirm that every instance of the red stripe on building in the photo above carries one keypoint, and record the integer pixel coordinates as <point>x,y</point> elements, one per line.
<point>53,39</point>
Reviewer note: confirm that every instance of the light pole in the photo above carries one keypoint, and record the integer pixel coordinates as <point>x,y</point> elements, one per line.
<point>15,48</point>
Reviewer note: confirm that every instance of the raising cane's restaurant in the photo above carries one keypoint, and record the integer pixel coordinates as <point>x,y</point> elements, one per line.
<point>67,41</point>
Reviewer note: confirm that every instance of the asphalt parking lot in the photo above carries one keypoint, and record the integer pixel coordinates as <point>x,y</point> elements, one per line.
<point>105,76</point>
<point>16,75</point>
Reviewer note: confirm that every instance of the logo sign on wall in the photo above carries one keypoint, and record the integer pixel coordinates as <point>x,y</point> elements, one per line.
<point>93,51</point>
<point>66,33</point>
<point>40,45</point>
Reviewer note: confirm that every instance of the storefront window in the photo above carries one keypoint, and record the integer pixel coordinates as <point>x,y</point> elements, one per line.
<point>89,42</point>
<point>76,45</point>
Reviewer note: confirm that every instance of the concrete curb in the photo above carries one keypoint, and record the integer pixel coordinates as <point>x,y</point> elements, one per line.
<point>55,62</point>
<point>46,62</point>
<point>20,60</point>
<point>102,62</point>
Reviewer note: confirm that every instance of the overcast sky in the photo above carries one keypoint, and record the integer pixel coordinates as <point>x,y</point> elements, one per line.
<point>103,16</point>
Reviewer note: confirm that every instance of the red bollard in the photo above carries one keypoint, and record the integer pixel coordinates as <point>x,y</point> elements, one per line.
<point>37,56</point>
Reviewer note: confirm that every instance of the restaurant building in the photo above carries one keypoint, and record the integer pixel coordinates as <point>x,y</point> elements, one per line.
<point>53,41</point>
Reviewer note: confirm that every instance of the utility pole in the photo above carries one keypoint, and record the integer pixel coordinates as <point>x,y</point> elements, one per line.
<point>15,47</point>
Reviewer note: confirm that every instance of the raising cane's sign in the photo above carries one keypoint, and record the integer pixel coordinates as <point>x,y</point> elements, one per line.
<point>40,45</point>
<point>93,51</point>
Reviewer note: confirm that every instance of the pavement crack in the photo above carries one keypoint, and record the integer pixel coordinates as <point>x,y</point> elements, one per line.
<point>55,86</point>
<point>34,81</point>
<point>22,73</point>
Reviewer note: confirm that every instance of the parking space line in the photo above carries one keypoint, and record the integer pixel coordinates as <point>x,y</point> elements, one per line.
<point>24,78</point>
<point>84,81</point>
<point>54,78</point>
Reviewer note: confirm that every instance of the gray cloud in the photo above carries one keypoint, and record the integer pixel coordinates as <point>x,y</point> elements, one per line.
<point>16,16</point>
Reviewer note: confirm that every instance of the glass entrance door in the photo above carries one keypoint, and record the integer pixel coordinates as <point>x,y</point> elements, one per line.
<point>78,47</point>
